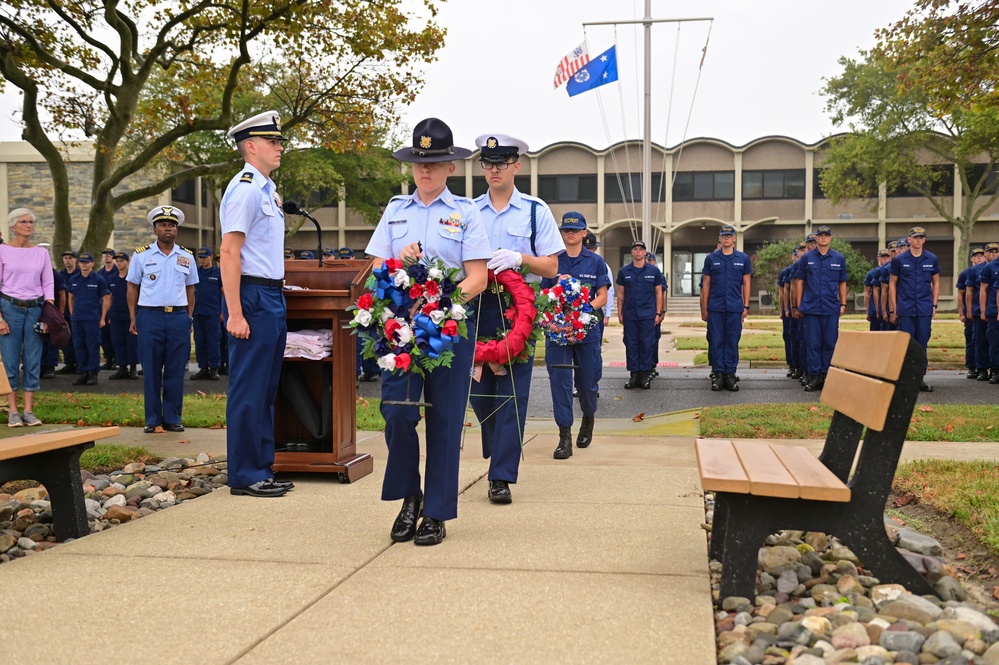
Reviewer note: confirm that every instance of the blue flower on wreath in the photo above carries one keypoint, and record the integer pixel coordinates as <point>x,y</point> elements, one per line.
<point>447,287</point>
<point>418,273</point>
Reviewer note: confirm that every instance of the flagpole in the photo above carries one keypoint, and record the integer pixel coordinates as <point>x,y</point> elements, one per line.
<point>647,139</point>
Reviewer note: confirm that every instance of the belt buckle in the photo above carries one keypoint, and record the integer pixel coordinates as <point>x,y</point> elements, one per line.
<point>168,309</point>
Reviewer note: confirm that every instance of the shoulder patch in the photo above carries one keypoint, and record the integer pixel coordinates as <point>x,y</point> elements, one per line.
<point>141,249</point>
<point>246,177</point>
<point>398,197</point>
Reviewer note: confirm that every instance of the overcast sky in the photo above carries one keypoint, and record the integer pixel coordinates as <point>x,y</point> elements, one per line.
<point>762,73</point>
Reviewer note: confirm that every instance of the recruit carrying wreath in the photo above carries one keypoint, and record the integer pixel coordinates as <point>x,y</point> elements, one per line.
<point>517,343</point>
<point>566,313</point>
<point>411,317</point>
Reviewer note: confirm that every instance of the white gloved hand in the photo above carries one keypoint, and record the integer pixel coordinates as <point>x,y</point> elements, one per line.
<point>504,259</point>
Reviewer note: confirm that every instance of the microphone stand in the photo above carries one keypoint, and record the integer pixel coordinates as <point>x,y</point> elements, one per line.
<point>292,208</point>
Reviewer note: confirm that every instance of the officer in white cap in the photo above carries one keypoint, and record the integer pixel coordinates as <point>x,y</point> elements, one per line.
<point>252,264</point>
<point>161,279</point>
<point>522,232</point>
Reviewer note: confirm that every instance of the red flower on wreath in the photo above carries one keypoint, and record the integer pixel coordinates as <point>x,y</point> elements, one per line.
<point>429,308</point>
<point>391,326</point>
<point>415,291</point>
<point>365,301</point>
<point>393,264</point>
<point>450,327</point>
<point>432,288</point>
<point>402,361</point>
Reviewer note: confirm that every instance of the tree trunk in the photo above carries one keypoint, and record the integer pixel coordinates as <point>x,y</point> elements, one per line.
<point>99,228</point>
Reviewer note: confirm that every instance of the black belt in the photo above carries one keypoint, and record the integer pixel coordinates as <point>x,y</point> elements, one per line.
<point>262,281</point>
<point>37,302</point>
<point>168,310</point>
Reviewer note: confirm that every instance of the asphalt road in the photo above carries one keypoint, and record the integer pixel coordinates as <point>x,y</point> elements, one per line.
<point>674,390</point>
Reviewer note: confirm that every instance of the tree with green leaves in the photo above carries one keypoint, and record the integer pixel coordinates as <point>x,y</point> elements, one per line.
<point>153,85</point>
<point>773,257</point>
<point>920,107</point>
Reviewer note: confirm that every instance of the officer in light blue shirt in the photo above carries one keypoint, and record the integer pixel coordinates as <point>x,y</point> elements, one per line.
<point>161,279</point>
<point>252,265</point>
<point>430,224</point>
<point>522,233</point>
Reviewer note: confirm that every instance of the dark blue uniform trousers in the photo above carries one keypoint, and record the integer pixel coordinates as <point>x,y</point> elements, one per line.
<point>918,328</point>
<point>820,332</point>
<point>164,348</point>
<point>500,402</point>
<point>785,326</point>
<point>50,352</point>
<point>969,345</point>
<point>639,340</point>
<point>992,335</point>
<point>68,352</point>
<point>125,350</point>
<point>254,376</point>
<point>86,341</point>
<point>726,331</point>
<point>106,343</point>
<point>446,389</point>
<point>223,342</point>
<point>980,340</point>
<point>206,341</point>
<point>587,358</point>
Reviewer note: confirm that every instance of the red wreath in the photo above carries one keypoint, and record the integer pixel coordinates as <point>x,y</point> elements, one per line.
<point>521,313</point>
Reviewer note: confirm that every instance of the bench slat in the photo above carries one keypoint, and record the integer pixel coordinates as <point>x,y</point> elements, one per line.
<point>719,467</point>
<point>30,444</point>
<point>864,399</point>
<point>767,476</point>
<point>872,353</point>
<point>815,480</point>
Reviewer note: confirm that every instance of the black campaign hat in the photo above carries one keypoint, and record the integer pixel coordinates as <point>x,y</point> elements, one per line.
<point>590,241</point>
<point>432,142</point>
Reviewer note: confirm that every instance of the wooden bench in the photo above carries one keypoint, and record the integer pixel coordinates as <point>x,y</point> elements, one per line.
<point>764,488</point>
<point>53,459</point>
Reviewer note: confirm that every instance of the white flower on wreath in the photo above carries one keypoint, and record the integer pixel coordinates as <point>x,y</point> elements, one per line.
<point>457,312</point>
<point>405,332</point>
<point>362,318</point>
<point>437,316</point>
<point>552,297</point>
<point>387,361</point>
<point>436,273</point>
<point>401,278</point>
<point>385,315</point>
<point>585,318</point>
<point>433,298</point>
<point>575,286</point>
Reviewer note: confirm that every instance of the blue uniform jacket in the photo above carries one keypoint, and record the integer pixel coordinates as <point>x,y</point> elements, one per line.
<point>726,273</point>
<point>590,270</point>
<point>822,276</point>
<point>990,275</point>
<point>208,292</point>
<point>87,293</point>
<point>640,290</point>
<point>914,287</point>
<point>974,282</point>
<point>118,286</point>
<point>873,280</point>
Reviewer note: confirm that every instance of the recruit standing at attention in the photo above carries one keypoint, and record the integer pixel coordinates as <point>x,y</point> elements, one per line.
<point>914,290</point>
<point>252,265</point>
<point>725,302</point>
<point>639,292</point>
<point>522,232</point>
<point>89,300</point>
<point>161,279</point>
<point>591,271</point>
<point>207,314</point>
<point>422,226</point>
<point>964,311</point>
<point>125,350</point>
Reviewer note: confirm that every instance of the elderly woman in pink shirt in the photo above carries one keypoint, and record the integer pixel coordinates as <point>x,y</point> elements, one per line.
<point>25,284</point>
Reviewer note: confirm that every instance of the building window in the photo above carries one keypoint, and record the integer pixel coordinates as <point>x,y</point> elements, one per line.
<point>567,188</point>
<point>627,187</point>
<point>786,184</point>
<point>184,192</point>
<point>456,185</point>
<point>975,175</point>
<point>704,186</point>
<point>938,180</point>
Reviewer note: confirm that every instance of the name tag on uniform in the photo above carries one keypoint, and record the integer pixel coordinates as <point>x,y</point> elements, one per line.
<point>397,221</point>
<point>835,265</point>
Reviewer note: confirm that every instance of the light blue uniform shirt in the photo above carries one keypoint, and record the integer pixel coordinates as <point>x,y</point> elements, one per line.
<point>162,278</point>
<point>251,206</point>
<point>510,228</point>
<point>449,229</point>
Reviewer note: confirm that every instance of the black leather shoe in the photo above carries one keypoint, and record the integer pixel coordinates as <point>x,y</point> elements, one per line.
<point>133,373</point>
<point>122,373</point>
<point>91,378</point>
<point>224,370</point>
<point>109,365</point>
<point>431,532</point>
<point>585,432</point>
<point>731,382</point>
<point>499,491</point>
<point>213,375</point>
<point>66,369</point>
<point>81,380</point>
<point>149,429</point>
<point>173,427</point>
<point>972,373</point>
<point>925,387</point>
<point>404,527</point>
<point>262,488</point>
<point>286,484</point>
<point>48,373</point>
<point>633,382</point>
<point>716,382</point>
<point>983,375</point>
<point>200,374</point>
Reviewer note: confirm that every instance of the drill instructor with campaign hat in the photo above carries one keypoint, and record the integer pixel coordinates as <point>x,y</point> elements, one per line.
<point>161,279</point>
<point>252,266</point>
<point>522,232</point>
<point>429,224</point>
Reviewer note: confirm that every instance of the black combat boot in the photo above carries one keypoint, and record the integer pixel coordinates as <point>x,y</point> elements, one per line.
<point>633,382</point>
<point>133,373</point>
<point>564,449</point>
<point>818,380</point>
<point>645,379</point>
<point>81,380</point>
<point>585,432</point>
<point>983,374</point>
<point>122,373</point>
<point>716,381</point>
<point>731,383</point>
<point>92,378</point>
<point>972,373</point>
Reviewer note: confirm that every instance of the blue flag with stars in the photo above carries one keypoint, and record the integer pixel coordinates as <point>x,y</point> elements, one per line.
<point>600,71</point>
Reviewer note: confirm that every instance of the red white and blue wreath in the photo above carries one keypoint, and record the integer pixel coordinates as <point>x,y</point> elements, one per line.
<point>411,317</point>
<point>566,313</point>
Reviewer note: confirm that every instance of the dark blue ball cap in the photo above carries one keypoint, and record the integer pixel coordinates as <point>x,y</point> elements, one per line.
<point>345,253</point>
<point>572,221</point>
<point>85,256</point>
<point>306,255</point>
<point>727,230</point>
<point>823,230</point>
<point>205,252</point>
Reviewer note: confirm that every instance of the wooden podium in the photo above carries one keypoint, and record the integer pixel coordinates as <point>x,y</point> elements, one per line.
<point>315,426</point>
